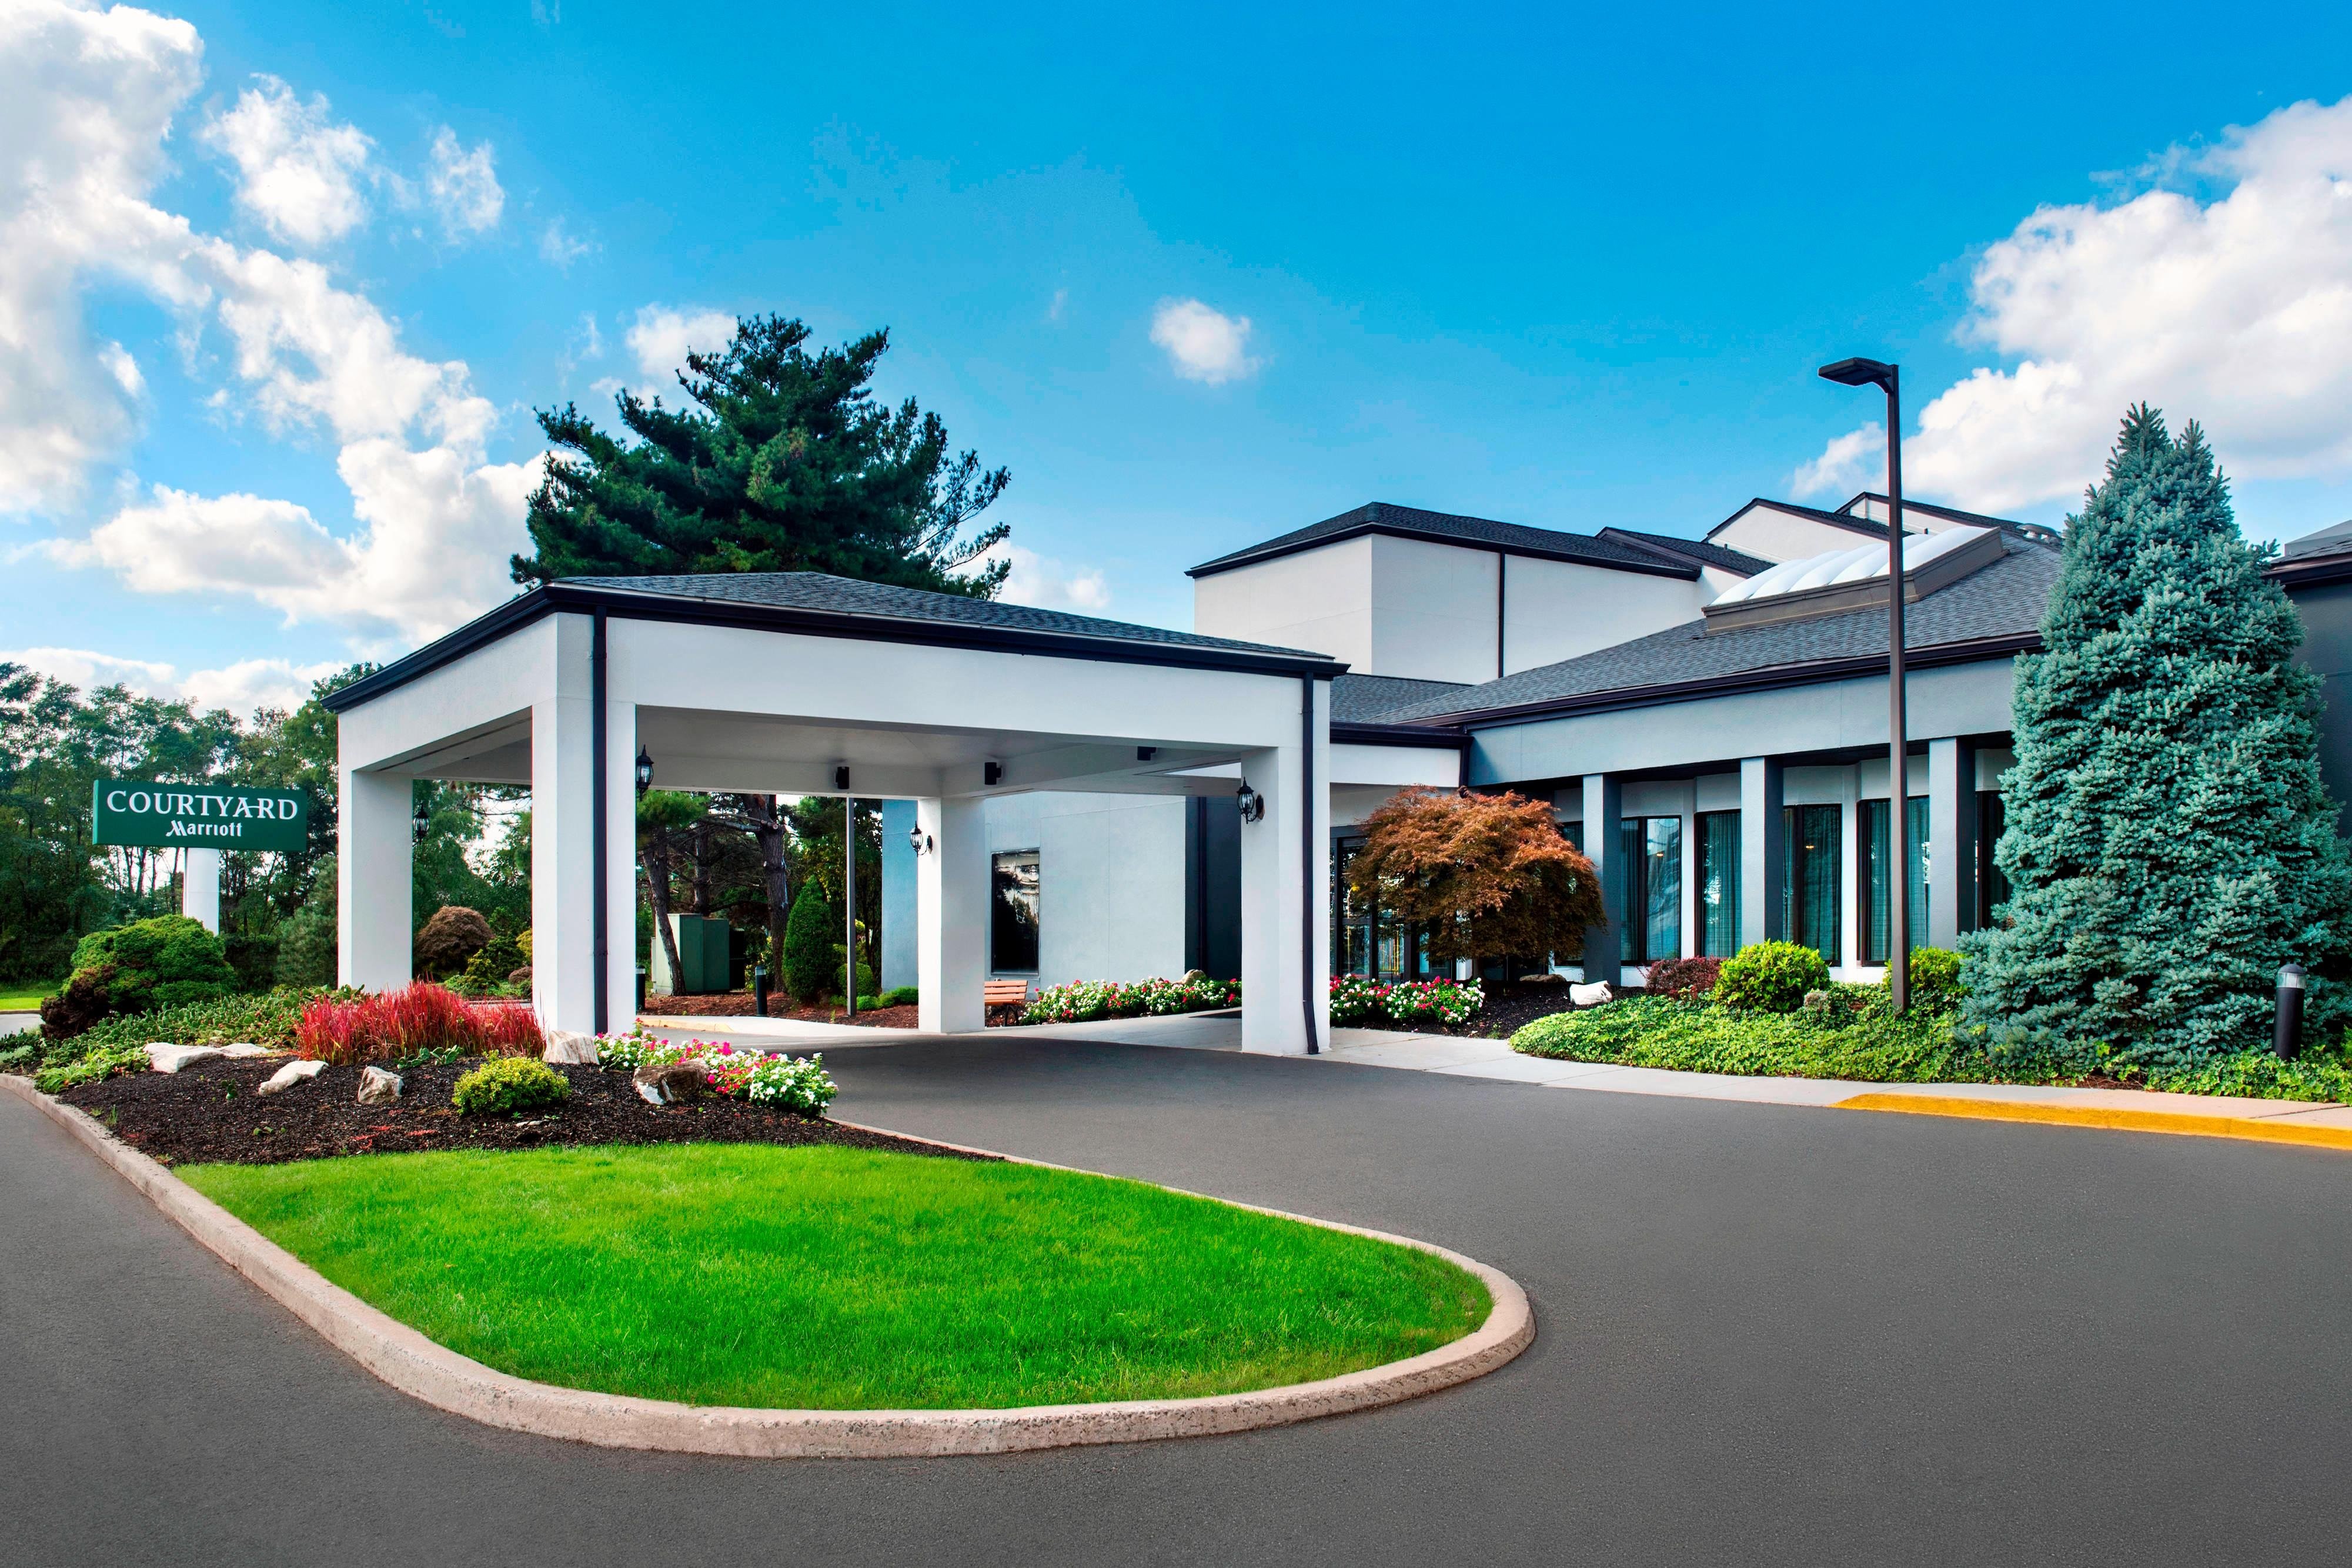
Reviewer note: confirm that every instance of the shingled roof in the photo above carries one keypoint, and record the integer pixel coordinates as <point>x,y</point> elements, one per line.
<point>1447,528</point>
<point>2000,604</point>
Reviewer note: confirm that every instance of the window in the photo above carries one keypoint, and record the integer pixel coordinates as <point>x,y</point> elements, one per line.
<point>1012,914</point>
<point>1992,887</point>
<point>1877,871</point>
<point>1719,884</point>
<point>1652,848</point>
<point>1369,941</point>
<point>1810,852</point>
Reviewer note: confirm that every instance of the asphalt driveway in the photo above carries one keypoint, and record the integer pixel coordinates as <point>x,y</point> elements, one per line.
<point>1767,1334</point>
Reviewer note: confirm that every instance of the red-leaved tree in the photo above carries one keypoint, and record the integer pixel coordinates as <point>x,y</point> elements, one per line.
<point>1486,875</point>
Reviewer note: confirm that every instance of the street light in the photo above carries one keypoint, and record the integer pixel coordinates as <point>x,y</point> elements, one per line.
<point>1875,373</point>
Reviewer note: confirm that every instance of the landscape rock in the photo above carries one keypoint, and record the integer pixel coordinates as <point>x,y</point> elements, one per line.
<point>1590,995</point>
<point>291,1074</point>
<point>166,1057</point>
<point>378,1087</point>
<point>243,1048</point>
<point>570,1046</point>
<point>670,1082</point>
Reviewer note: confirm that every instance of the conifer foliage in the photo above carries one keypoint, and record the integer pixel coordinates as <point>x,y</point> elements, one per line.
<point>2168,840</point>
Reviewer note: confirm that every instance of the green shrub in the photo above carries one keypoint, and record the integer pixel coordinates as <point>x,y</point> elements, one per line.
<point>810,964</point>
<point>489,969</point>
<point>254,956</point>
<point>20,1051</point>
<point>1770,977</point>
<point>866,985</point>
<point>90,1069</point>
<point>508,1086</point>
<point>449,940</point>
<point>267,1020</point>
<point>306,946</point>
<point>899,997</point>
<point>1936,980</point>
<point>169,961</point>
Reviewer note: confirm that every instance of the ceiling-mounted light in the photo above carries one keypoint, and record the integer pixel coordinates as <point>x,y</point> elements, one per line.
<point>645,771</point>
<point>1252,804</point>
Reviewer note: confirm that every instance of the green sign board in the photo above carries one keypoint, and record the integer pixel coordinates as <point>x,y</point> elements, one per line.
<point>197,816</point>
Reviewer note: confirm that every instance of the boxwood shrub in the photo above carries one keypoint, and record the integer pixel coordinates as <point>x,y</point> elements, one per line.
<point>1770,977</point>
<point>509,1086</point>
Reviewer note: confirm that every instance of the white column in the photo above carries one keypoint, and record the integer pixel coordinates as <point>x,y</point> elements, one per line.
<point>1951,841</point>
<point>951,916</point>
<point>562,847</point>
<point>1761,850</point>
<point>1604,798</point>
<point>1287,899</point>
<point>200,887</point>
<point>375,925</point>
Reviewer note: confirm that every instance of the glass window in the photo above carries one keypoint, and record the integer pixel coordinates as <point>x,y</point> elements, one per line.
<point>1877,869</point>
<point>1012,922</point>
<point>1808,876</point>
<point>1719,884</point>
<point>1366,940</point>
<point>1652,848</point>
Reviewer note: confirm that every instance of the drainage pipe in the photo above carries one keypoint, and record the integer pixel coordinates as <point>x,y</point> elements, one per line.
<point>598,895</point>
<point>1306,859</point>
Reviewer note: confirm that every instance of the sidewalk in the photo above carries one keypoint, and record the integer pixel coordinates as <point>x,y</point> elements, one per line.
<point>1185,1031</point>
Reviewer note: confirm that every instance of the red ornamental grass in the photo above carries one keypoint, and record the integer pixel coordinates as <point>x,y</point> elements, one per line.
<point>418,1018</point>
<point>509,1030</point>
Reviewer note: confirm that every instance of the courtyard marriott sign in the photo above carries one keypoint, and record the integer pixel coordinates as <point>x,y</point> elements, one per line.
<point>197,816</point>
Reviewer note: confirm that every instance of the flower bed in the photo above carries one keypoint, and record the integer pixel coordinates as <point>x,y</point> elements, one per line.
<point>419,1019</point>
<point>1359,1001</point>
<point>1083,1002</point>
<point>760,1078</point>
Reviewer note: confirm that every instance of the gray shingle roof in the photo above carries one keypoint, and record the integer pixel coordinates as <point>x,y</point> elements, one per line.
<point>1367,699</point>
<point>2005,599</point>
<point>1700,550</point>
<point>1411,522</point>
<point>847,596</point>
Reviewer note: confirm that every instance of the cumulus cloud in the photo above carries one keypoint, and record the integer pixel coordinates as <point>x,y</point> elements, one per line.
<point>1203,344</point>
<point>558,249</point>
<point>83,133</point>
<point>464,184</point>
<point>2235,311</point>
<point>1855,461</point>
<point>298,171</point>
<point>658,341</point>
<point>1047,583</point>
<point>241,687</point>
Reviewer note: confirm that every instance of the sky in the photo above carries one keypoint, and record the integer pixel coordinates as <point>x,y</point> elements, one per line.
<point>282,284</point>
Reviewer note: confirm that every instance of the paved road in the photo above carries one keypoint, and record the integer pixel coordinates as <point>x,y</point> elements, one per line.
<point>1767,1334</point>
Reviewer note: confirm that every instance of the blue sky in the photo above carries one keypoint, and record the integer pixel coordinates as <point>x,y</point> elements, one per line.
<point>1195,276</point>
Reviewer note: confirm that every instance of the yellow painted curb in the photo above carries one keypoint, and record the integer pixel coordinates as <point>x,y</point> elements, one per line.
<point>2114,1118</point>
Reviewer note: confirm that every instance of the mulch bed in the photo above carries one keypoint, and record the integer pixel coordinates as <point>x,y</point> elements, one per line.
<point>209,1111</point>
<point>739,1005</point>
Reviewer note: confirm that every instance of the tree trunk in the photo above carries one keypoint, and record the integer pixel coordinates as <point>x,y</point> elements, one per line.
<point>702,867</point>
<point>657,858</point>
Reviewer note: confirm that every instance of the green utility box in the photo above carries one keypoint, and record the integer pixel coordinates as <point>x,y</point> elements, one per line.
<point>704,945</point>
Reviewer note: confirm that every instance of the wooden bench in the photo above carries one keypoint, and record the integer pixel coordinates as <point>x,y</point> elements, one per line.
<point>995,994</point>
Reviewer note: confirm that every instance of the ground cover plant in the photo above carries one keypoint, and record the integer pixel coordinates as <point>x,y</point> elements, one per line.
<point>266,1018</point>
<point>1083,1001</point>
<point>833,1277</point>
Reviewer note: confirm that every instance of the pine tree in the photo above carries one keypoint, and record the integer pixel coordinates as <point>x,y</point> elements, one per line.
<point>812,960</point>
<point>2169,841</point>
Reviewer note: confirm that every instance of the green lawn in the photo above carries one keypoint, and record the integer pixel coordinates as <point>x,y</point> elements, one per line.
<point>25,999</point>
<point>824,1278</point>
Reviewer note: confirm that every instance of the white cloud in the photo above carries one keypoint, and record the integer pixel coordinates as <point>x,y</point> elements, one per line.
<point>463,184</point>
<point>87,99</point>
<point>1855,461</point>
<point>2236,311</point>
<point>241,687</point>
<point>1047,583</point>
<point>298,171</point>
<point>558,248</point>
<point>660,336</point>
<point>1202,344</point>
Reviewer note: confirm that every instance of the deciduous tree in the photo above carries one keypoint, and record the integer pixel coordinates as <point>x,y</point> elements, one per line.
<point>1484,875</point>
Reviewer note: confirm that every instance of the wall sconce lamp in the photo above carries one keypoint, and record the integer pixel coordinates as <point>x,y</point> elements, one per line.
<point>921,842</point>
<point>1252,804</point>
<point>645,771</point>
<point>421,823</point>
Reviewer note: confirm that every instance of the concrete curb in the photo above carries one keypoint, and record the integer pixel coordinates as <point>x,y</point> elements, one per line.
<point>424,1370</point>
<point>2254,1129</point>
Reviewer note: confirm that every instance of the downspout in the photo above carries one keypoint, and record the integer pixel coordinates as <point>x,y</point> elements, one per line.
<point>598,895</point>
<point>1306,859</point>
<point>1502,577</point>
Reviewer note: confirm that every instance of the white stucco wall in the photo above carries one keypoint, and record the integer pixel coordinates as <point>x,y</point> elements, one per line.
<point>1319,600</point>
<point>1110,882</point>
<point>1432,611</point>
<point>1557,609</point>
<point>1777,535</point>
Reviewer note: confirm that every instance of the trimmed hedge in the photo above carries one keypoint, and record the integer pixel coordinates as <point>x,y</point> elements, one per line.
<point>1771,977</point>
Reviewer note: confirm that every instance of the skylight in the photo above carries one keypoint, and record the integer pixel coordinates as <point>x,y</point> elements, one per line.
<point>1853,579</point>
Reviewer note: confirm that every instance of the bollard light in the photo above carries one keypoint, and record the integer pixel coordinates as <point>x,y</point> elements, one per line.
<point>759,990</point>
<point>2286,1032</point>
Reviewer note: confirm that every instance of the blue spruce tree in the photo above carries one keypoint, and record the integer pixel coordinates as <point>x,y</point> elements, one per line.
<point>2168,840</point>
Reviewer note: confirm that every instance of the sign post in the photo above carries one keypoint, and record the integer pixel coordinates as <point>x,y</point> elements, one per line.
<point>202,818</point>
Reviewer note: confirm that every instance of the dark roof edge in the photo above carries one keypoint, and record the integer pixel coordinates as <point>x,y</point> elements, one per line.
<point>2311,570</point>
<point>1834,519</point>
<point>1432,737</point>
<point>1771,677</point>
<point>1257,554</point>
<point>630,604</point>
<point>1665,545</point>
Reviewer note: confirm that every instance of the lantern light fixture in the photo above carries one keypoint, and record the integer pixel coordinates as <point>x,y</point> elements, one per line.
<point>645,771</point>
<point>921,842</point>
<point>1252,804</point>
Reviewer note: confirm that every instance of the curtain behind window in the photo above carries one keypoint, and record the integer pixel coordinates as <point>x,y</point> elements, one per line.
<point>1719,884</point>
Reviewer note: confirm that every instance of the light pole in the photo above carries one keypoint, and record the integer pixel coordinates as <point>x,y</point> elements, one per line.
<point>1875,373</point>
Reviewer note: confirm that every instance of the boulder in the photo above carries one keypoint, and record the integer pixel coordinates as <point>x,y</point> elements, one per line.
<point>1590,995</point>
<point>291,1074</point>
<point>166,1057</point>
<point>572,1047</point>
<point>243,1048</point>
<point>671,1082</point>
<point>378,1087</point>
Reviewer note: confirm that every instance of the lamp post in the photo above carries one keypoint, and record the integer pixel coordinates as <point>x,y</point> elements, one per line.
<point>1878,373</point>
